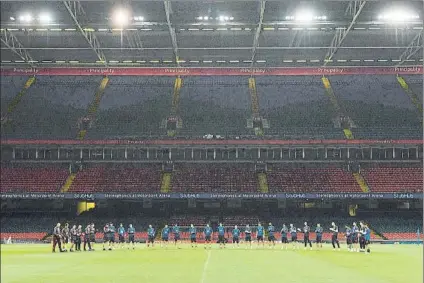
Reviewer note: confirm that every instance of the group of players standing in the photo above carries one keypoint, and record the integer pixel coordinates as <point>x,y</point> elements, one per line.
<point>353,235</point>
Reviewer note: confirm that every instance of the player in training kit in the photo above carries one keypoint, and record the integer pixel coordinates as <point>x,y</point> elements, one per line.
<point>92,236</point>
<point>260,235</point>
<point>193,233</point>
<point>271,237</point>
<point>306,231</point>
<point>236,236</point>
<point>208,235</point>
<point>121,235</point>
<point>318,232</point>
<point>78,242</point>
<point>73,233</point>
<point>355,235</point>
<point>284,240</point>
<point>131,235</point>
<point>112,231</point>
<point>151,236</point>
<point>65,236</point>
<point>165,236</point>
<point>367,238</point>
<point>349,237</point>
<point>293,233</point>
<point>248,235</point>
<point>334,239</point>
<point>176,231</point>
<point>221,236</point>
<point>105,236</point>
<point>87,238</point>
<point>57,238</point>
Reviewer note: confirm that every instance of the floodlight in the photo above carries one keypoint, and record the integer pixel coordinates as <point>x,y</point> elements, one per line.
<point>45,18</point>
<point>12,18</point>
<point>121,17</point>
<point>221,18</point>
<point>206,18</point>
<point>139,19</point>
<point>27,18</point>
<point>398,15</point>
<point>304,16</point>
<point>231,18</point>
<point>199,18</point>
<point>226,18</point>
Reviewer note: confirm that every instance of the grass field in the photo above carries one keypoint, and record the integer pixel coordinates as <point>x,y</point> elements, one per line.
<point>386,264</point>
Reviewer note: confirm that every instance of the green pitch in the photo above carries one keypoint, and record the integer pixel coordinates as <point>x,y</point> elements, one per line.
<point>386,264</point>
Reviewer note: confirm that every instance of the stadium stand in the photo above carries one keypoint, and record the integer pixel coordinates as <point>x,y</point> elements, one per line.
<point>32,179</point>
<point>214,178</point>
<point>117,178</point>
<point>394,179</point>
<point>296,107</point>
<point>331,179</point>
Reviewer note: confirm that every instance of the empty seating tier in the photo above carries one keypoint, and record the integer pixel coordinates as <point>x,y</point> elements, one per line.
<point>311,180</point>
<point>45,179</point>
<point>394,179</point>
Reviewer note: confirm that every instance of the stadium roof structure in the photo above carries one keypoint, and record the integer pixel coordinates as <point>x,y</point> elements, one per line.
<point>211,34</point>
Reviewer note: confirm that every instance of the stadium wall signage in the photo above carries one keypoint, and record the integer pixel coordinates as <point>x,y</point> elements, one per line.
<point>205,142</point>
<point>132,196</point>
<point>145,71</point>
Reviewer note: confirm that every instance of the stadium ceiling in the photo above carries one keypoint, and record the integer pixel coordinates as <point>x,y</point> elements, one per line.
<point>228,34</point>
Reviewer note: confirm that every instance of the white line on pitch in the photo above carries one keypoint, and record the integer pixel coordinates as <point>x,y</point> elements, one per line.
<point>205,267</point>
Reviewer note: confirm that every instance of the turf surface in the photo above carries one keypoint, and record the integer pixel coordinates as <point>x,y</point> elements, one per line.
<point>386,264</point>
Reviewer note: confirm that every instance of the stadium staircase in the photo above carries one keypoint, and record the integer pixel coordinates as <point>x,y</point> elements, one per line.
<point>19,96</point>
<point>414,98</point>
<point>337,107</point>
<point>263,183</point>
<point>68,183</point>
<point>92,110</point>
<point>175,103</point>
<point>361,182</point>
<point>255,104</point>
<point>375,234</point>
<point>165,186</point>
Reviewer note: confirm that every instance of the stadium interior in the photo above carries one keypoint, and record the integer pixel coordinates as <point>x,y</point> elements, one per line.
<point>151,112</point>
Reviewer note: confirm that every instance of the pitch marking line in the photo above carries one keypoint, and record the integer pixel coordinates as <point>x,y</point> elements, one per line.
<point>205,267</point>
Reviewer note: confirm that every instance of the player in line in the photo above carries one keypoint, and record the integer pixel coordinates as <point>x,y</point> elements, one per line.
<point>65,236</point>
<point>87,238</point>
<point>318,231</point>
<point>271,237</point>
<point>92,235</point>
<point>150,236</point>
<point>208,236</point>
<point>236,236</point>
<point>349,238</point>
<point>284,240</point>
<point>293,233</point>
<point>355,235</point>
<point>306,240</point>
<point>121,236</point>
<point>193,233</point>
<point>131,234</point>
<point>248,235</point>
<point>221,236</point>
<point>165,236</point>
<point>176,231</point>
<point>57,238</point>
<point>260,235</point>
<point>112,231</point>
<point>334,239</point>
